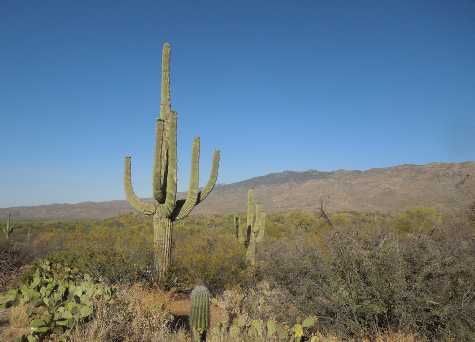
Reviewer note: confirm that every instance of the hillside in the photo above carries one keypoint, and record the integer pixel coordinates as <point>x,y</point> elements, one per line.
<point>441,185</point>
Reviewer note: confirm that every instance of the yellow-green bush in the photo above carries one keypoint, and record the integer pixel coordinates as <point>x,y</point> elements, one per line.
<point>211,256</point>
<point>418,220</point>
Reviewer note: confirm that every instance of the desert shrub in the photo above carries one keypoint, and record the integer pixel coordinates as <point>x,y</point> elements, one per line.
<point>114,255</point>
<point>211,256</point>
<point>12,258</point>
<point>134,315</point>
<point>372,280</point>
<point>108,265</point>
<point>258,314</point>
<point>119,251</point>
<point>418,219</point>
<point>440,274</point>
<point>262,301</point>
<point>295,266</point>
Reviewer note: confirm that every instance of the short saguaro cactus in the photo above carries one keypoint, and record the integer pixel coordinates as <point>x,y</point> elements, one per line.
<point>199,318</point>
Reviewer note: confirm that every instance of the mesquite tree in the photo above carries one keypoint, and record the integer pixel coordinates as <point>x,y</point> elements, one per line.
<point>166,208</point>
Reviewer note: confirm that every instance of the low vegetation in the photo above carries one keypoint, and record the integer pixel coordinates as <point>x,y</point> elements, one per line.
<point>407,275</point>
<point>54,298</point>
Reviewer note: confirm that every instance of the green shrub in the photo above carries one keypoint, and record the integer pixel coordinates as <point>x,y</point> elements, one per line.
<point>418,219</point>
<point>114,255</point>
<point>110,266</point>
<point>211,256</point>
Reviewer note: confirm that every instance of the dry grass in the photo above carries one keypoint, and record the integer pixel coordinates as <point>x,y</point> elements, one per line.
<point>136,315</point>
<point>18,323</point>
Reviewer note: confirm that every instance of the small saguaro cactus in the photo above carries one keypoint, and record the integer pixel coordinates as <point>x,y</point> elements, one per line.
<point>8,229</point>
<point>253,232</point>
<point>199,318</point>
<point>166,208</point>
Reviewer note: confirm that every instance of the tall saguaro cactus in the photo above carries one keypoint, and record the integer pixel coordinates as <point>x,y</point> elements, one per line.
<point>166,208</point>
<point>253,232</point>
<point>8,229</point>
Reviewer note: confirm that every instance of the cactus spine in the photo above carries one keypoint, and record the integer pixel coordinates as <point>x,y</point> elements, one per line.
<point>166,209</point>
<point>253,232</point>
<point>199,318</point>
<point>8,229</point>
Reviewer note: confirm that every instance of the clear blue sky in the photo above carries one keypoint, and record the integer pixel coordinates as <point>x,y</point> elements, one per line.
<point>276,85</point>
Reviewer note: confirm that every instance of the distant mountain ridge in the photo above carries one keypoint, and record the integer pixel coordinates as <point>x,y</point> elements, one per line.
<point>283,177</point>
<point>441,185</point>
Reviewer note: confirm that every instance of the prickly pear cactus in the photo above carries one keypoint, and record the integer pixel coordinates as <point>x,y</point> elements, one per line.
<point>199,318</point>
<point>58,298</point>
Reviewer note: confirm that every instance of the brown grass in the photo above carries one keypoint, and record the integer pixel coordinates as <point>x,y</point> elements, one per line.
<point>18,323</point>
<point>136,315</point>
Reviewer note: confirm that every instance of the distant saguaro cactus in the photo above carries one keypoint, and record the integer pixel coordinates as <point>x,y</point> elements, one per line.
<point>28,236</point>
<point>165,208</point>
<point>8,229</point>
<point>199,318</point>
<point>253,232</point>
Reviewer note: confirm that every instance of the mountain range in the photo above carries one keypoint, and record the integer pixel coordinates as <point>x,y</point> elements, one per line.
<point>441,185</point>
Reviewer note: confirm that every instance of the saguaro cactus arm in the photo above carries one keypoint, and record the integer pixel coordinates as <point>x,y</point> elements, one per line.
<point>158,191</point>
<point>262,227</point>
<point>237,224</point>
<point>167,208</point>
<point>212,178</point>
<point>257,218</point>
<point>132,198</point>
<point>165,103</point>
<point>183,209</point>
<point>250,208</point>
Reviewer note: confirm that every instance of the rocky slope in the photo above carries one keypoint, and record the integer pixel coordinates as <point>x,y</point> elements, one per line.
<point>441,185</point>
